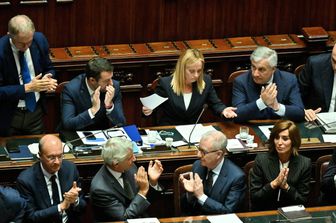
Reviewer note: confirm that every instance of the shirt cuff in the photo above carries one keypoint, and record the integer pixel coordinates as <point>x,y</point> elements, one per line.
<point>282,110</point>
<point>260,104</point>
<point>76,202</point>
<point>108,111</point>
<point>156,187</point>
<point>202,199</point>
<point>335,180</point>
<point>90,113</point>
<point>143,196</point>
<point>59,209</point>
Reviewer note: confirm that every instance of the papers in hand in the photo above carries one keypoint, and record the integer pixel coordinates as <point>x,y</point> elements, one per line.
<point>196,135</point>
<point>152,101</point>
<point>232,218</point>
<point>327,121</point>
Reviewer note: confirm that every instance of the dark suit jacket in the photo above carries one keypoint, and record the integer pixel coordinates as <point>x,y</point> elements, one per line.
<point>32,186</point>
<point>316,82</point>
<point>10,89</point>
<point>266,168</point>
<point>75,104</point>
<point>245,93</point>
<point>328,188</point>
<point>226,194</point>
<point>109,200</point>
<point>174,111</point>
<point>12,206</point>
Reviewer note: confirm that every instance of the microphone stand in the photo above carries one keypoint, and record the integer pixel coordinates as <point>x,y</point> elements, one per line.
<point>198,118</point>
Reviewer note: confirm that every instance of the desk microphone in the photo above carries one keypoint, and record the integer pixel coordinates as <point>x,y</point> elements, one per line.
<point>205,106</point>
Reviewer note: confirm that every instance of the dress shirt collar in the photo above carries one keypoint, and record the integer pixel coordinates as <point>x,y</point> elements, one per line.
<point>116,174</point>
<point>46,174</point>
<point>218,168</point>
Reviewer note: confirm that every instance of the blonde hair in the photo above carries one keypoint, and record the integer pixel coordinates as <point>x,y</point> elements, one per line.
<point>190,56</point>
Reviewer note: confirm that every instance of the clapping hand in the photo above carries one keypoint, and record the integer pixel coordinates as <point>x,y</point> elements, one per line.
<point>192,183</point>
<point>281,180</point>
<point>109,96</point>
<point>141,178</point>
<point>155,170</point>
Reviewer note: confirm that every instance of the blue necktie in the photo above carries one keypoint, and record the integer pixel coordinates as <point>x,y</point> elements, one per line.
<point>30,97</point>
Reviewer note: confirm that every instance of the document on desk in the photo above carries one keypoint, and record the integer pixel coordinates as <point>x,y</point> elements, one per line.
<point>153,101</point>
<point>327,121</point>
<point>96,137</point>
<point>196,135</point>
<point>329,138</point>
<point>143,220</point>
<point>232,218</point>
<point>266,130</point>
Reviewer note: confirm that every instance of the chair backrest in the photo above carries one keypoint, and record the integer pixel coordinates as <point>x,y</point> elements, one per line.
<point>235,74</point>
<point>247,170</point>
<point>321,167</point>
<point>298,69</point>
<point>178,187</point>
<point>151,87</point>
<point>58,102</point>
<point>60,87</point>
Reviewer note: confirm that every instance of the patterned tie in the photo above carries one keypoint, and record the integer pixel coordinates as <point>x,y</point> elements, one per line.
<point>30,97</point>
<point>208,182</point>
<point>127,186</point>
<point>55,193</point>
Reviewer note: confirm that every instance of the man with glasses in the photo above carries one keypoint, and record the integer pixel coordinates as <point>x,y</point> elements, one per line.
<point>120,191</point>
<point>92,101</point>
<point>26,73</point>
<point>215,185</point>
<point>265,92</point>
<point>51,186</point>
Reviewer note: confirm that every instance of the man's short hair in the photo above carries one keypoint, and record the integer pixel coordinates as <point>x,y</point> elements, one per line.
<point>263,52</point>
<point>96,66</point>
<point>219,140</point>
<point>116,150</point>
<point>20,24</point>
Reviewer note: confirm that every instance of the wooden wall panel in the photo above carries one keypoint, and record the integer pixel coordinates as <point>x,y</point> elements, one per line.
<point>92,22</point>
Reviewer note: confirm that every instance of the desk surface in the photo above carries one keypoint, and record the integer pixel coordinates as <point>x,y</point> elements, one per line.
<point>320,214</point>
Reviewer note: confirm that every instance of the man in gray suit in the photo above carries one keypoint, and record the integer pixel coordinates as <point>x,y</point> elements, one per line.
<point>119,190</point>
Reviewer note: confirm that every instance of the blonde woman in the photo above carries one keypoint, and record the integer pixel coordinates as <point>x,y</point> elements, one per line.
<point>188,89</point>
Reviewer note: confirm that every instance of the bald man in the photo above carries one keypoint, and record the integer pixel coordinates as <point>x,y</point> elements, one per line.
<point>26,73</point>
<point>216,185</point>
<point>317,83</point>
<point>51,186</point>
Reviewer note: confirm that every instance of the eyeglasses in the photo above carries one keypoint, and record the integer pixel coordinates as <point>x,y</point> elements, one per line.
<point>203,152</point>
<point>53,158</point>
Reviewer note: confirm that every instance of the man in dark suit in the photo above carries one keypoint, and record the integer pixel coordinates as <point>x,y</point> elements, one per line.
<point>25,73</point>
<point>119,190</point>
<point>92,100</point>
<point>51,186</point>
<point>12,206</point>
<point>264,92</point>
<point>216,185</point>
<point>328,184</point>
<point>317,82</point>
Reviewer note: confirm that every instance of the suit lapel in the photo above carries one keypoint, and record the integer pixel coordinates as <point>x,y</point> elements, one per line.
<point>274,166</point>
<point>114,182</point>
<point>42,186</point>
<point>327,82</point>
<point>221,179</point>
<point>85,96</point>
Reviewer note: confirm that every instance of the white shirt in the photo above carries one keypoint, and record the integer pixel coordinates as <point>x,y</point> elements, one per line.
<point>333,96</point>
<point>187,99</point>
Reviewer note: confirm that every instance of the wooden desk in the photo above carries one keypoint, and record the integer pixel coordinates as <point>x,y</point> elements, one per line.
<point>258,217</point>
<point>88,166</point>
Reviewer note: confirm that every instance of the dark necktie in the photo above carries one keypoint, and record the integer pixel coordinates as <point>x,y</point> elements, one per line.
<point>30,97</point>
<point>55,193</point>
<point>127,186</point>
<point>208,183</point>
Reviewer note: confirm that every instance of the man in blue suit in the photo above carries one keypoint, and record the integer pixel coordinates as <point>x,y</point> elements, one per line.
<point>51,186</point>
<point>25,73</point>
<point>12,206</point>
<point>264,92</point>
<point>317,83</point>
<point>216,185</point>
<point>92,100</point>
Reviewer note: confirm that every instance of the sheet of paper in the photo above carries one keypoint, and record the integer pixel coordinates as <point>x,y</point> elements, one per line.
<point>232,218</point>
<point>100,137</point>
<point>329,138</point>
<point>196,135</point>
<point>266,130</point>
<point>143,220</point>
<point>152,101</point>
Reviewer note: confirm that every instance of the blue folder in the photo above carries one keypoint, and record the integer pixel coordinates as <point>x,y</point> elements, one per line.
<point>133,133</point>
<point>24,153</point>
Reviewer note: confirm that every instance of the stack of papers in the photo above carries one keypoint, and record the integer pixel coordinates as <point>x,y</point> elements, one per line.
<point>327,121</point>
<point>232,218</point>
<point>196,135</point>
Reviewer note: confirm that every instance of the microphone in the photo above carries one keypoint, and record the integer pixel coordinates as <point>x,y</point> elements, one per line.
<point>205,106</point>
